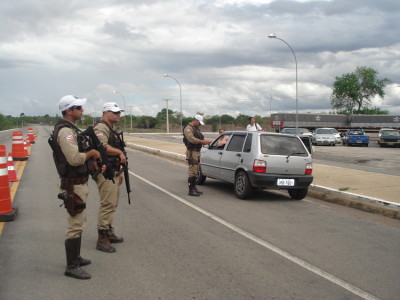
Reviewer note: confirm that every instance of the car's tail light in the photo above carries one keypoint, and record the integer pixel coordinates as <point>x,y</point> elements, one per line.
<point>260,166</point>
<point>308,170</point>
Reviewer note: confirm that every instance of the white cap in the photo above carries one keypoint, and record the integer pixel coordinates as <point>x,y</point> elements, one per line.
<point>199,118</point>
<point>111,106</point>
<point>69,101</point>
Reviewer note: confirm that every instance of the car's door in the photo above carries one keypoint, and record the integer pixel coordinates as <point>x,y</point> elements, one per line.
<point>211,159</point>
<point>231,156</point>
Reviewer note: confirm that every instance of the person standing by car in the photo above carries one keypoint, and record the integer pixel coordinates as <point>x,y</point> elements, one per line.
<point>194,139</point>
<point>73,165</point>
<point>109,189</point>
<point>253,126</point>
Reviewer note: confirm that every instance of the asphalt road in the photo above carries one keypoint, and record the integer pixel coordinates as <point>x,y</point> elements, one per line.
<point>212,247</point>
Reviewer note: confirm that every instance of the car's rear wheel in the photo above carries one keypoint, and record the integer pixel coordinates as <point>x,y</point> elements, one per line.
<point>243,188</point>
<point>298,194</point>
<point>200,178</point>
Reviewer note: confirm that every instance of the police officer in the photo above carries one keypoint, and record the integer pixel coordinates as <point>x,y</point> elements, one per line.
<point>109,189</point>
<point>73,165</point>
<point>194,139</point>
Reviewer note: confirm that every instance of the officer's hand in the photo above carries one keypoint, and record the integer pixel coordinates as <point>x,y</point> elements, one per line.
<point>122,158</point>
<point>103,168</point>
<point>206,142</point>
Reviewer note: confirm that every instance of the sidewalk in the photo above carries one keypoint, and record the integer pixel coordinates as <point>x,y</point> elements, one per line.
<point>368,191</point>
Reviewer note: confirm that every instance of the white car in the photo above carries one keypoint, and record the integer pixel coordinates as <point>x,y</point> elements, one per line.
<point>324,136</point>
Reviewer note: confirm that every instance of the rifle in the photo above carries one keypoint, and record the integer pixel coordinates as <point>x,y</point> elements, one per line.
<point>125,166</point>
<point>94,143</point>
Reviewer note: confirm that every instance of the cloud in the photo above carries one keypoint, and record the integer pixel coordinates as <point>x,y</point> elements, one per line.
<point>218,50</point>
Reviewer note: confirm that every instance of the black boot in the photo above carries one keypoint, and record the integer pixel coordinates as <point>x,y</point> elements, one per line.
<point>82,261</point>
<point>112,237</point>
<point>192,187</point>
<point>103,243</point>
<point>73,269</point>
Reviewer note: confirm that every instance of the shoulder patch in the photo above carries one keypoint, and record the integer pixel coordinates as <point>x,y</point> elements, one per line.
<point>99,134</point>
<point>70,138</point>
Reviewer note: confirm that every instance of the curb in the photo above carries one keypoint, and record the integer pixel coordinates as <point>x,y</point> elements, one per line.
<point>368,204</point>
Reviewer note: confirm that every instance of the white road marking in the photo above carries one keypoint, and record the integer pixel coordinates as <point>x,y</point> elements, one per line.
<point>347,286</point>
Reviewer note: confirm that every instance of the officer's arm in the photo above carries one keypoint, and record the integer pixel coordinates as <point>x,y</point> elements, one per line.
<point>69,147</point>
<point>190,137</point>
<point>102,134</point>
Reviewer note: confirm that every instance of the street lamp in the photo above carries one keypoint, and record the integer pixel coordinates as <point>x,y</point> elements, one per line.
<point>116,92</point>
<point>273,36</point>
<point>131,106</point>
<point>180,96</point>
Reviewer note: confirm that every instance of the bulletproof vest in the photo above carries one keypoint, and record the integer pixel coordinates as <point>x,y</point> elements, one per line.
<point>197,134</point>
<point>64,169</point>
<point>114,139</point>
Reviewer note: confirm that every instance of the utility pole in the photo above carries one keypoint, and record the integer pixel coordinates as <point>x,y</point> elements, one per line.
<point>131,106</point>
<point>166,104</point>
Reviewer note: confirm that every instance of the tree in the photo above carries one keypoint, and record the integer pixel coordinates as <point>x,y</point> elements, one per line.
<point>356,90</point>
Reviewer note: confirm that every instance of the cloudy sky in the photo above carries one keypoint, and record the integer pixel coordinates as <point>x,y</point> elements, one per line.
<point>218,50</point>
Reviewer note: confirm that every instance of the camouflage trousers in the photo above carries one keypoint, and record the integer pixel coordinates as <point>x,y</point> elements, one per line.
<point>193,158</point>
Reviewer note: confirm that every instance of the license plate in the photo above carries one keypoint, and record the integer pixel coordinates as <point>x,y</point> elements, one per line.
<point>285,182</point>
<point>359,142</point>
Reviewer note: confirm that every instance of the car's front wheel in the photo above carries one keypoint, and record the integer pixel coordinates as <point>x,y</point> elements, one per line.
<point>298,194</point>
<point>243,188</point>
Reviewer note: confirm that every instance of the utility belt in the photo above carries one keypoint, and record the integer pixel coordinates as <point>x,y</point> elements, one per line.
<point>194,147</point>
<point>67,182</point>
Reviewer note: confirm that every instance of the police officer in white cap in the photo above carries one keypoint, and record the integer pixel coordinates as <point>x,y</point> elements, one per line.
<point>109,189</point>
<point>194,139</point>
<point>73,164</point>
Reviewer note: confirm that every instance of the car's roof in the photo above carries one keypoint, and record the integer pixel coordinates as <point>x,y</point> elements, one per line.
<point>257,132</point>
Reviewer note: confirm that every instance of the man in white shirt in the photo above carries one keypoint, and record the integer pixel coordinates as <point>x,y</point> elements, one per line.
<point>253,126</point>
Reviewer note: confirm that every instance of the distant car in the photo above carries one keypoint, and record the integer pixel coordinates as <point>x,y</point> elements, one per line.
<point>297,131</point>
<point>324,136</point>
<point>258,160</point>
<point>355,137</point>
<point>389,137</point>
<point>383,129</point>
<point>338,137</point>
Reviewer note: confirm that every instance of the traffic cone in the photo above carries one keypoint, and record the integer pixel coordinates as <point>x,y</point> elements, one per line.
<point>28,143</point>
<point>12,175</point>
<point>7,213</point>
<point>31,135</point>
<point>26,150</point>
<point>18,151</point>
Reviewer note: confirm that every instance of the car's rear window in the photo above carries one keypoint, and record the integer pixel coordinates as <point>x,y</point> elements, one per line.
<point>282,145</point>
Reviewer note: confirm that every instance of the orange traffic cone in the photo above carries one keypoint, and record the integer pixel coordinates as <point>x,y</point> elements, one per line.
<point>31,135</point>
<point>18,152</point>
<point>28,144</point>
<point>12,175</point>
<point>7,213</point>
<point>26,149</point>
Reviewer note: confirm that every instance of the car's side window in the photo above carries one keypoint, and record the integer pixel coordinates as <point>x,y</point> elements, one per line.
<point>247,144</point>
<point>236,143</point>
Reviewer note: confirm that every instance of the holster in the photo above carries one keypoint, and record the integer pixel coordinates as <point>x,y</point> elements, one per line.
<point>72,202</point>
<point>192,161</point>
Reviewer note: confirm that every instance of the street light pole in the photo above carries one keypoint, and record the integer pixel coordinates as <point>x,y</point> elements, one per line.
<point>131,106</point>
<point>180,96</point>
<point>273,36</point>
<point>116,92</point>
<point>166,104</point>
